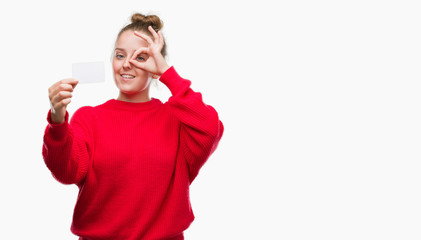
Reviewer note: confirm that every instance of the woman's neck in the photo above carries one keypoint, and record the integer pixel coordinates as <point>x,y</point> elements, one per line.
<point>135,98</point>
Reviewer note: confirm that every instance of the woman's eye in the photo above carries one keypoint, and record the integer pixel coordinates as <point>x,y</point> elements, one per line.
<point>119,56</point>
<point>140,58</point>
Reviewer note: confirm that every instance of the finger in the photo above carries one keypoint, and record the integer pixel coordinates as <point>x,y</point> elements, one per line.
<point>74,84</point>
<point>61,87</point>
<point>65,102</point>
<point>143,36</point>
<point>138,64</point>
<point>65,87</point>
<point>60,96</point>
<point>161,38</point>
<point>71,81</point>
<point>154,34</point>
<point>59,105</point>
<point>139,52</point>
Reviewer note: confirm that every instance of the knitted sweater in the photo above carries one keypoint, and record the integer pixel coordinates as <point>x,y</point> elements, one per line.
<point>134,162</point>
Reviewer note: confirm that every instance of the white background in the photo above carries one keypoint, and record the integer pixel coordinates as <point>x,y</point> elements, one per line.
<point>320,102</point>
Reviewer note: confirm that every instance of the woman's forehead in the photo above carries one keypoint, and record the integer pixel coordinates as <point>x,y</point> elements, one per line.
<point>129,42</point>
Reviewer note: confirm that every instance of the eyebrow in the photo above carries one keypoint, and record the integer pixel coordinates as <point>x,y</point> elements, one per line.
<point>124,50</point>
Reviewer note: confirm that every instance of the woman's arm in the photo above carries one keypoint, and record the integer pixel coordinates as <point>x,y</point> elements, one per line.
<point>66,147</point>
<point>201,129</point>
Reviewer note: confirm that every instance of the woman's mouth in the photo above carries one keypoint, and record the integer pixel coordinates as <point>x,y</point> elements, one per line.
<point>127,76</point>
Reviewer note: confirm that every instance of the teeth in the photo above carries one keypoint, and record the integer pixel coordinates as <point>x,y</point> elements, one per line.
<point>127,76</point>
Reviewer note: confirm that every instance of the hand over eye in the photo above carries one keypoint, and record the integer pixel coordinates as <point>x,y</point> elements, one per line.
<point>150,58</point>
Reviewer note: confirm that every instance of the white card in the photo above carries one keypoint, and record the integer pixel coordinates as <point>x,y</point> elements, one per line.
<point>89,72</point>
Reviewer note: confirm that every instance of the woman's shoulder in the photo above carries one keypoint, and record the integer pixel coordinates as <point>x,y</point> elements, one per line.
<point>83,112</point>
<point>89,113</point>
<point>89,109</point>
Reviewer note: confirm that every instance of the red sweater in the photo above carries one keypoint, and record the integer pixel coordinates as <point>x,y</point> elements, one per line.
<point>134,162</point>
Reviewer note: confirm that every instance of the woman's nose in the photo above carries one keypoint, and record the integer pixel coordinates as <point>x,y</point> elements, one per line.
<point>127,64</point>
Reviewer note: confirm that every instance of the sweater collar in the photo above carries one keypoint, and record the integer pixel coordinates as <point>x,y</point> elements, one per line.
<point>129,106</point>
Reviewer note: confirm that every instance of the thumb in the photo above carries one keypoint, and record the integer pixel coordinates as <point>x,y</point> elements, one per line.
<point>139,57</point>
<point>137,64</point>
<point>75,83</point>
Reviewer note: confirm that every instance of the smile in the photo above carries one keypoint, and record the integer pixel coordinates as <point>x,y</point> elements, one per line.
<point>127,76</point>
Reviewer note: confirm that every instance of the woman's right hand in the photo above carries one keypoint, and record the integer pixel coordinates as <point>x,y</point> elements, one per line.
<point>60,94</point>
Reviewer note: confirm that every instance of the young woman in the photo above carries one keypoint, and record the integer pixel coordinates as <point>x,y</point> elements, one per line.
<point>134,157</point>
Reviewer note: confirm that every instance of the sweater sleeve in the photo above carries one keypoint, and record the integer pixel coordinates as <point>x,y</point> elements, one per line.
<point>66,147</point>
<point>201,129</point>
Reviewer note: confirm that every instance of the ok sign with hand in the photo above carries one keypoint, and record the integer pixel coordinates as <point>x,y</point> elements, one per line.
<point>154,62</point>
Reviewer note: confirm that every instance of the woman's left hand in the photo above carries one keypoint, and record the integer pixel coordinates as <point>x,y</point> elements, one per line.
<point>153,62</point>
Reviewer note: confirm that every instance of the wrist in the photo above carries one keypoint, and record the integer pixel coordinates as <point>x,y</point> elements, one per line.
<point>57,120</point>
<point>54,119</point>
<point>163,69</point>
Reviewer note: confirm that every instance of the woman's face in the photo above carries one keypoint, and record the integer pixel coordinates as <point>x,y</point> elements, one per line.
<point>129,79</point>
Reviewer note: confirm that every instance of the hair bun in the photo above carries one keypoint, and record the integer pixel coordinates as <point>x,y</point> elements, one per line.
<point>150,20</point>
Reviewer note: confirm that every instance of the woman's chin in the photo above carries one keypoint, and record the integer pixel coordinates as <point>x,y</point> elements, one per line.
<point>129,92</point>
